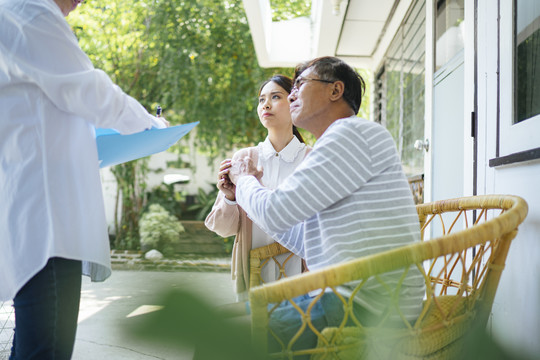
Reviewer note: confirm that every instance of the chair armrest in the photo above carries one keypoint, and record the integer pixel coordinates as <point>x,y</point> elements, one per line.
<point>335,275</point>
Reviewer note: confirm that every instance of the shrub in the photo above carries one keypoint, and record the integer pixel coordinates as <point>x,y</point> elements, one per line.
<point>228,243</point>
<point>203,203</point>
<point>166,196</point>
<point>159,230</point>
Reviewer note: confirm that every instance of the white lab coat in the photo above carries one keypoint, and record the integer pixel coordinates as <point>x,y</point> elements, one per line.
<point>51,99</point>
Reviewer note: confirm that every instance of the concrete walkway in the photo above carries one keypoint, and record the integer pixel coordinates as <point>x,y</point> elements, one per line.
<point>106,310</point>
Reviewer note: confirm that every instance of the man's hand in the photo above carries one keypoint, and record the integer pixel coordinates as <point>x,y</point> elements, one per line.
<point>242,167</point>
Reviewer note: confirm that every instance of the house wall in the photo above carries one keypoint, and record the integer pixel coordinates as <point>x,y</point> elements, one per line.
<point>516,310</point>
<point>515,321</point>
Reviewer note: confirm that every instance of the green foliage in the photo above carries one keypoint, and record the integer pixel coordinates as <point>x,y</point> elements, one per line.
<point>202,207</point>
<point>160,230</point>
<point>209,71</point>
<point>195,58</point>
<point>168,198</point>
<point>131,185</point>
<point>364,107</point>
<point>189,320</point>
<point>114,35</point>
<point>289,9</point>
<point>203,203</point>
<point>228,244</point>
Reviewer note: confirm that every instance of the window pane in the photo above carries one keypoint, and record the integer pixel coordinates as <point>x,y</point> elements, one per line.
<point>527,59</point>
<point>399,104</point>
<point>448,30</point>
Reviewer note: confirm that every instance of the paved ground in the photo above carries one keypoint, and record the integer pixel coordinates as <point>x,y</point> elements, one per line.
<point>108,308</point>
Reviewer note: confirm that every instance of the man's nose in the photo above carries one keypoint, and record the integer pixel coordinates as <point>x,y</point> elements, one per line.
<point>292,96</point>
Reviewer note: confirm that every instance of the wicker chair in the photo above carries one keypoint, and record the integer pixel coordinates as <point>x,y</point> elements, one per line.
<point>417,188</point>
<point>259,257</point>
<point>461,267</point>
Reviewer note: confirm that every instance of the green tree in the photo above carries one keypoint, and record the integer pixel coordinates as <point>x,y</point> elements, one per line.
<point>195,58</point>
<point>208,65</point>
<point>289,9</point>
<point>114,34</point>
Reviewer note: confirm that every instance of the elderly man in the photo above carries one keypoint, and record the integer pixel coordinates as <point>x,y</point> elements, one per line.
<point>349,198</point>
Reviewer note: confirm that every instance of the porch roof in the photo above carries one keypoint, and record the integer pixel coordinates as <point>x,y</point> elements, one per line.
<point>358,31</point>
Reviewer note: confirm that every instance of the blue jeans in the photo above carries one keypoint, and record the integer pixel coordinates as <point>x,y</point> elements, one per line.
<point>328,311</point>
<point>46,311</point>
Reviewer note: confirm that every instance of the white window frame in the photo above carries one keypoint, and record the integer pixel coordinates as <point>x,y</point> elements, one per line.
<point>522,136</point>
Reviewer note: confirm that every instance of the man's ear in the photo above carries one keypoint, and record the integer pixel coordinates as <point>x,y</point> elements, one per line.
<point>338,88</point>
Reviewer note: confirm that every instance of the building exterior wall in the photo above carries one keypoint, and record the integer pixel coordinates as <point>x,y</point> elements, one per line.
<point>399,88</point>
<point>488,90</point>
<point>516,310</point>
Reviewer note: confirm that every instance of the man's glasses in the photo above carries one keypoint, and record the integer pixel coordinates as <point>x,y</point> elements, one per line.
<point>302,80</point>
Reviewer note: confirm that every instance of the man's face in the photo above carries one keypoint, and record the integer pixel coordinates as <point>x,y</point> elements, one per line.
<point>308,99</point>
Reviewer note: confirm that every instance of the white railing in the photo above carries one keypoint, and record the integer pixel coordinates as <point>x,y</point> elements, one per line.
<point>7,323</point>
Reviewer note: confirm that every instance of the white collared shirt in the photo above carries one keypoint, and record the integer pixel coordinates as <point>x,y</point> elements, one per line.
<point>51,98</point>
<point>276,167</point>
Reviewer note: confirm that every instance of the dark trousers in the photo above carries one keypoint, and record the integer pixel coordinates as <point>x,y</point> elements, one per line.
<point>46,311</point>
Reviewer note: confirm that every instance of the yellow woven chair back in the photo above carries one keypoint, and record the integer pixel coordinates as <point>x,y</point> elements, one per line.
<point>461,265</point>
<point>268,254</point>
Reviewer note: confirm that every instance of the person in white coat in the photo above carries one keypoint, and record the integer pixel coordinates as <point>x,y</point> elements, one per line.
<point>52,218</point>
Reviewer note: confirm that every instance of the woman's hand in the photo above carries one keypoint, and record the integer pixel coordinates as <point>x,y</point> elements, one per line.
<point>224,183</point>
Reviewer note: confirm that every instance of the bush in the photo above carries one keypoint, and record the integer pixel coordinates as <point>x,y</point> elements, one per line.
<point>203,203</point>
<point>166,196</point>
<point>228,244</point>
<point>159,230</point>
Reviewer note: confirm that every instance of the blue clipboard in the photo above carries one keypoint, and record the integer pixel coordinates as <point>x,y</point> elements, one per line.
<point>115,148</point>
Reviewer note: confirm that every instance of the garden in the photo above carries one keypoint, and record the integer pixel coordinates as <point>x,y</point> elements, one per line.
<point>196,59</point>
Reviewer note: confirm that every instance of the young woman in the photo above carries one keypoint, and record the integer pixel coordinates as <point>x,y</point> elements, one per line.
<point>279,154</point>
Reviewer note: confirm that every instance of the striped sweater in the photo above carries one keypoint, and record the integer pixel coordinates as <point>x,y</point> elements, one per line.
<point>348,199</point>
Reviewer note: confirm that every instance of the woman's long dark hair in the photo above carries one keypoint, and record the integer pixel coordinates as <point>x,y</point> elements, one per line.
<point>286,83</point>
